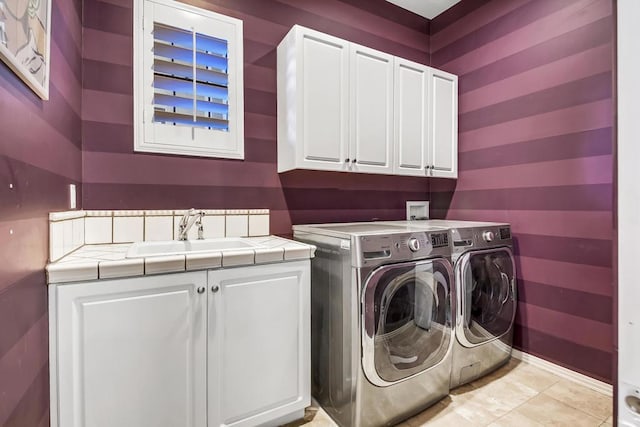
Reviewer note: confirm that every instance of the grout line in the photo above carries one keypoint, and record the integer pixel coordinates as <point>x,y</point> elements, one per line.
<point>544,392</point>
<point>536,368</point>
<point>538,393</point>
<point>576,409</point>
<point>564,373</point>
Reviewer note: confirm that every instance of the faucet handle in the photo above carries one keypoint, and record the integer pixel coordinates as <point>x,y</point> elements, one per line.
<point>200,225</point>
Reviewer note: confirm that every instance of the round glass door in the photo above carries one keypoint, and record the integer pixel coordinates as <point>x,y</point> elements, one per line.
<point>406,319</point>
<point>487,295</point>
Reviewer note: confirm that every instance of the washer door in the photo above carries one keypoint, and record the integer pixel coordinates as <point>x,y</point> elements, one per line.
<point>486,295</point>
<point>406,319</point>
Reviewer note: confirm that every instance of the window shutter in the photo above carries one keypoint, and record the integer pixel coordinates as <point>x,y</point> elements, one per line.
<point>191,84</point>
<point>189,87</point>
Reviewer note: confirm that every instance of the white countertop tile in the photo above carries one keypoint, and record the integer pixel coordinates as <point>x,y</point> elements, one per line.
<point>238,257</point>
<point>264,255</point>
<point>75,271</point>
<point>203,261</point>
<point>164,264</point>
<point>296,252</point>
<point>105,261</point>
<point>121,268</point>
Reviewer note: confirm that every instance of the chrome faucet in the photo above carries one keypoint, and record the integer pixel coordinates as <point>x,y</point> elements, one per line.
<point>187,221</point>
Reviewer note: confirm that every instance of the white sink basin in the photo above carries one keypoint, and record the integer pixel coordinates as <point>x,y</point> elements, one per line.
<point>179,247</point>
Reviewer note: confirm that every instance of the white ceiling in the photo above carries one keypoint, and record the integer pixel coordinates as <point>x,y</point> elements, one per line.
<point>427,8</point>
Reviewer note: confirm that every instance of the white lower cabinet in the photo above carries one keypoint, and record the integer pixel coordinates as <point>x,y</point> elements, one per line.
<point>259,332</point>
<point>220,348</point>
<point>129,352</point>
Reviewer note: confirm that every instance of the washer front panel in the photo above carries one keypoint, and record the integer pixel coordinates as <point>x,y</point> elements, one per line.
<point>406,318</point>
<point>486,295</point>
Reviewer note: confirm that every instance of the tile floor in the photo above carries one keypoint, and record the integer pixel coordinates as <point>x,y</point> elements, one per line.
<point>517,395</point>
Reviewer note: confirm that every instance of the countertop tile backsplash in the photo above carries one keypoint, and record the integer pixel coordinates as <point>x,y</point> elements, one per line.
<point>73,229</point>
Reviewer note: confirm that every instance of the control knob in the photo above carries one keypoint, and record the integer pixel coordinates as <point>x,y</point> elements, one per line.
<point>488,236</point>
<point>414,244</point>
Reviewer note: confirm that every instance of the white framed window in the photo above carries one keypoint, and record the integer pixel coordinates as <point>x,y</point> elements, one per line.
<point>188,81</point>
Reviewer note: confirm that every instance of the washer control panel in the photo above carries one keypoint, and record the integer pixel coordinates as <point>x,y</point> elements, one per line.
<point>440,240</point>
<point>488,236</point>
<point>377,249</point>
<point>465,238</point>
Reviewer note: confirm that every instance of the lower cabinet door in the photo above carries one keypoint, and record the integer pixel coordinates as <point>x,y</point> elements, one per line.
<point>130,352</point>
<point>259,344</point>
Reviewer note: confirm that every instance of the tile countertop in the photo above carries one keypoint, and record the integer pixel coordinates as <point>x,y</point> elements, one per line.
<point>108,261</point>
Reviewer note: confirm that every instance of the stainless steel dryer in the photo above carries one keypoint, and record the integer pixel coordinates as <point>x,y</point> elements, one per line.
<point>486,295</point>
<point>381,320</point>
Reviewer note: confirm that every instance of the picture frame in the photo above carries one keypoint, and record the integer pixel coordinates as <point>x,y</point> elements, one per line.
<point>25,41</point>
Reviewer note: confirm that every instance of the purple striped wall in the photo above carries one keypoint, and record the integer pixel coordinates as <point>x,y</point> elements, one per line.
<point>536,144</point>
<point>39,156</point>
<point>535,150</point>
<point>116,178</point>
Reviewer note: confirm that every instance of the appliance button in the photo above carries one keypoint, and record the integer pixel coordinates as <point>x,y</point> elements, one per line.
<point>488,236</point>
<point>414,244</point>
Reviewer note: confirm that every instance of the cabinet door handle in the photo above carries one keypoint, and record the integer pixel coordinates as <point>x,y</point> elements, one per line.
<point>215,288</point>
<point>353,161</point>
<point>201,290</point>
<point>347,160</point>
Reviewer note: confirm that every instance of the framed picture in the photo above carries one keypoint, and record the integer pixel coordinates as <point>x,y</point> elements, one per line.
<point>25,38</point>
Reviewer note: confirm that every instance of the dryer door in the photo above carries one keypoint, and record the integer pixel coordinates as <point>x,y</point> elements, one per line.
<point>406,319</point>
<point>486,295</point>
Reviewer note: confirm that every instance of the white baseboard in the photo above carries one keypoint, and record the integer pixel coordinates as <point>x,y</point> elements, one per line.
<point>565,373</point>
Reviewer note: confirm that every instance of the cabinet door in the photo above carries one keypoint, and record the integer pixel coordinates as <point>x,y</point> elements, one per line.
<point>131,352</point>
<point>259,343</point>
<point>411,118</point>
<point>371,126</point>
<point>443,135</point>
<point>323,105</point>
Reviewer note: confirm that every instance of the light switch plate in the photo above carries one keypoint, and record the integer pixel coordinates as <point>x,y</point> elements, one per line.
<point>72,196</point>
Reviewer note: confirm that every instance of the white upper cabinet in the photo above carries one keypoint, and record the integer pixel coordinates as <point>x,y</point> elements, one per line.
<point>426,121</point>
<point>346,107</point>
<point>313,94</point>
<point>371,121</point>
<point>443,134</point>
<point>411,118</point>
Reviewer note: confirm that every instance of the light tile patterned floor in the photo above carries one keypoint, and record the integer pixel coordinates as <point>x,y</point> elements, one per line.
<point>517,395</point>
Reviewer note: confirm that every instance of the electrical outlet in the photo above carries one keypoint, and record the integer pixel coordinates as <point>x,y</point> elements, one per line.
<point>72,196</point>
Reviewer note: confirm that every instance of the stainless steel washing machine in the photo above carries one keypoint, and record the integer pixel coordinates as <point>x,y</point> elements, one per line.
<point>382,309</point>
<point>485,274</point>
